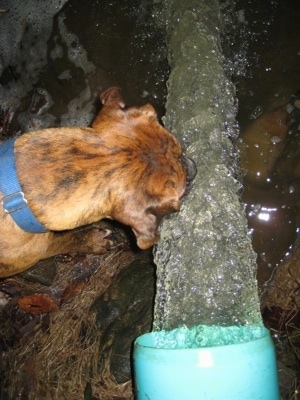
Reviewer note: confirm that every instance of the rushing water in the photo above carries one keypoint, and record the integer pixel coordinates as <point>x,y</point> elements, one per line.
<point>206,336</point>
<point>206,270</point>
<point>205,263</point>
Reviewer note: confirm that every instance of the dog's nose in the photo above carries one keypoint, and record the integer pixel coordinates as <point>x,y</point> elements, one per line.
<point>190,167</point>
<point>191,170</point>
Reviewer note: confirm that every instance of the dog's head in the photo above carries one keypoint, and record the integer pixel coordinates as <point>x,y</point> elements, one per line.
<point>149,172</point>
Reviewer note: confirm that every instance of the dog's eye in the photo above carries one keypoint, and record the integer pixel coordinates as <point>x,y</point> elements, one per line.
<point>167,207</point>
<point>152,210</point>
<point>170,184</point>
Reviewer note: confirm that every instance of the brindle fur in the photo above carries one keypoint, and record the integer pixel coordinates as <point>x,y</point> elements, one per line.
<point>125,167</point>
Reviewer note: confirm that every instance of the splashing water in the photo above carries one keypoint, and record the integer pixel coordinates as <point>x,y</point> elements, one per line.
<point>205,262</point>
<point>206,336</point>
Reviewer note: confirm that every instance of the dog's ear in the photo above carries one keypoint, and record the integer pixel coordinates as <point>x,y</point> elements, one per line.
<point>144,112</point>
<point>112,98</point>
<point>112,110</point>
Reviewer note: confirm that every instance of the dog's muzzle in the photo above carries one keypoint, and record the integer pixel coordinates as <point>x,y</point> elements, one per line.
<point>191,170</point>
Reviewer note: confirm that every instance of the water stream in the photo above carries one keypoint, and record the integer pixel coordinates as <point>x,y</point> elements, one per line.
<point>205,262</point>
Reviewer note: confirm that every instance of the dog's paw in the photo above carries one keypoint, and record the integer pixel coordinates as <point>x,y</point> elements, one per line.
<point>97,241</point>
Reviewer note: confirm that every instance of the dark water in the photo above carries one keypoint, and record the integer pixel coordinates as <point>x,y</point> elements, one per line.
<point>56,72</point>
<point>270,78</point>
<point>124,42</point>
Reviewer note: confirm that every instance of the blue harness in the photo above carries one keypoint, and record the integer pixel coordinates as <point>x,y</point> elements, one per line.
<point>13,200</point>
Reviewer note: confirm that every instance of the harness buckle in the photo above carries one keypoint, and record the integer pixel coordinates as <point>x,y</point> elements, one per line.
<point>13,202</point>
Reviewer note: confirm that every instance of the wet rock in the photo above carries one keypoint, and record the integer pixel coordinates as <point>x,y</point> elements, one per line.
<point>123,313</point>
<point>43,272</point>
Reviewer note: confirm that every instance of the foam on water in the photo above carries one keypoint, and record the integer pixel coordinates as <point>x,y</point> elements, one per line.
<point>26,53</point>
<point>24,32</point>
<point>207,336</point>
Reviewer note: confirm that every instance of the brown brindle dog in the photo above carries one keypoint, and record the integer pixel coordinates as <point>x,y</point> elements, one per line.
<point>126,167</point>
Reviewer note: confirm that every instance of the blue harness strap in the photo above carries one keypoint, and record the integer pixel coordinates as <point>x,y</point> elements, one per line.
<point>13,200</point>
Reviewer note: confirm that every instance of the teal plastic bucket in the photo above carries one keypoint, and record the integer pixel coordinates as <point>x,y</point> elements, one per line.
<point>169,366</point>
